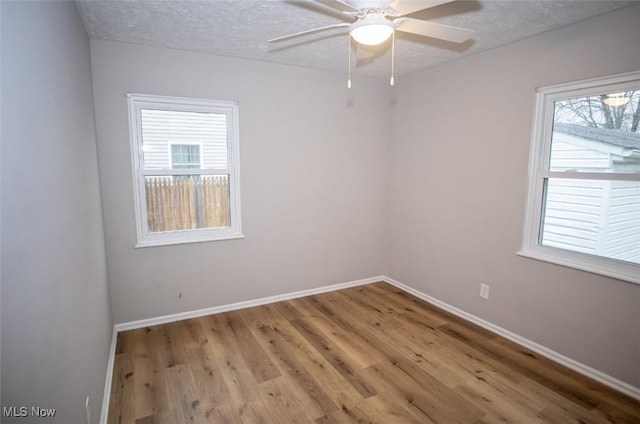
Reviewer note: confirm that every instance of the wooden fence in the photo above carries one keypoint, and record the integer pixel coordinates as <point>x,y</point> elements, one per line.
<point>183,203</point>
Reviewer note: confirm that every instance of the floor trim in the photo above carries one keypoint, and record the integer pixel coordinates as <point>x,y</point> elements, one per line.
<point>242,305</point>
<point>579,367</point>
<point>107,384</point>
<point>583,369</point>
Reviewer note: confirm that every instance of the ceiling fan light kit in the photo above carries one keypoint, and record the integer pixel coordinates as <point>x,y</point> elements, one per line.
<point>616,99</point>
<point>372,30</point>
<point>377,20</point>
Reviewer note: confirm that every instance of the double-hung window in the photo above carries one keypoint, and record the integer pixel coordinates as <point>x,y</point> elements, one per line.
<point>583,207</point>
<point>185,160</point>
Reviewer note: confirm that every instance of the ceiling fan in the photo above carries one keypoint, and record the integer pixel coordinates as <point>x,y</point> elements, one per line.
<point>377,20</point>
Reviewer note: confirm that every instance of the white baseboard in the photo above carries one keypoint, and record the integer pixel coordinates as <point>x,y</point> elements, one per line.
<point>605,379</point>
<point>579,367</point>
<point>107,384</point>
<point>242,305</point>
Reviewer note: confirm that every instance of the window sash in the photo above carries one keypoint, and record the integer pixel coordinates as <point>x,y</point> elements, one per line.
<point>604,176</point>
<point>539,165</point>
<point>187,171</point>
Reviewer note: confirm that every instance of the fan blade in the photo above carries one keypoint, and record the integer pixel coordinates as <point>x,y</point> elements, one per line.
<point>310,31</point>
<point>405,7</point>
<point>339,5</point>
<point>434,30</point>
<point>320,7</point>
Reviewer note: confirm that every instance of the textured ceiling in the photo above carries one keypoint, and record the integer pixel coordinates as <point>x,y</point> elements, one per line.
<point>241,27</point>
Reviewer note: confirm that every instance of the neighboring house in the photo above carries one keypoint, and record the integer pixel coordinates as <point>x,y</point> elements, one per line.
<point>594,216</point>
<point>182,140</point>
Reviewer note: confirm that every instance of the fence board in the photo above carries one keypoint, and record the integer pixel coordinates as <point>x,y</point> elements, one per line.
<point>184,203</point>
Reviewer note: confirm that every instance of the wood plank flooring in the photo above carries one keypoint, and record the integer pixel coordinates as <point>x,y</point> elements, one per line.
<point>370,354</point>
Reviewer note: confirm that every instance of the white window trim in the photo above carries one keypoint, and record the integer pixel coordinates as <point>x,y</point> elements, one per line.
<point>539,157</point>
<point>178,143</point>
<point>145,238</point>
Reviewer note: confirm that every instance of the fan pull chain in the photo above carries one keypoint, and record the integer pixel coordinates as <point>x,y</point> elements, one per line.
<point>349,80</point>
<point>393,56</point>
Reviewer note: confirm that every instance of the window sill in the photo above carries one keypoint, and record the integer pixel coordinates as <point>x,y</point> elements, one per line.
<point>156,243</point>
<point>609,268</point>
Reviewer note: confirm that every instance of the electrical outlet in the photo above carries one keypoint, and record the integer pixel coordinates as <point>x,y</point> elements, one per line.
<point>88,409</point>
<point>484,291</point>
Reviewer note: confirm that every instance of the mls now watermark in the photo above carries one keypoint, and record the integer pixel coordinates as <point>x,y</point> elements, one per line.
<point>24,411</point>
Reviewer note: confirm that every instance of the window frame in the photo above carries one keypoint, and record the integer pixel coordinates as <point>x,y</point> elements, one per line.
<point>145,238</point>
<point>539,160</point>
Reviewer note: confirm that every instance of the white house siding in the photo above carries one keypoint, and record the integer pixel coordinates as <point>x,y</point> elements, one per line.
<point>573,214</point>
<point>596,217</point>
<point>575,156</point>
<point>622,230</point>
<point>161,128</point>
<point>590,216</point>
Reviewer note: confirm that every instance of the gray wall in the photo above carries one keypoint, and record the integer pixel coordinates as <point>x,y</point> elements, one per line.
<point>459,160</point>
<point>314,180</point>
<point>56,323</point>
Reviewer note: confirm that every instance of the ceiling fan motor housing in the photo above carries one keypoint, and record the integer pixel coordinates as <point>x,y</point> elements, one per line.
<point>369,4</point>
<point>376,21</point>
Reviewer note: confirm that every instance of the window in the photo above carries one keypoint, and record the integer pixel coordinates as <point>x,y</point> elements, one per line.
<point>185,158</point>
<point>583,207</point>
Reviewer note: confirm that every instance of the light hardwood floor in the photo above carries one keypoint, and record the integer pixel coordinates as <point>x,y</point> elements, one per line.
<point>370,354</point>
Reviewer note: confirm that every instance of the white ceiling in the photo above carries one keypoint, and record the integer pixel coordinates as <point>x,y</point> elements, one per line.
<point>241,27</point>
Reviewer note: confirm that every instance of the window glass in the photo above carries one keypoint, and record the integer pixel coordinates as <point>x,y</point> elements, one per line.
<point>597,133</point>
<point>164,128</point>
<point>597,217</point>
<point>187,202</point>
